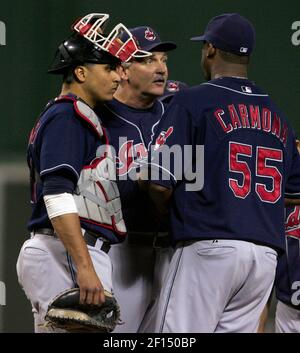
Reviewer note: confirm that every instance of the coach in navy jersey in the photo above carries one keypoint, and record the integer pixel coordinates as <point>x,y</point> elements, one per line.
<point>76,209</point>
<point>228,227</point>
<point>130,120</point>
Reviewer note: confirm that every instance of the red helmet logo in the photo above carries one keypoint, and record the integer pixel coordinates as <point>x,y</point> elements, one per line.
<point>149,34</point>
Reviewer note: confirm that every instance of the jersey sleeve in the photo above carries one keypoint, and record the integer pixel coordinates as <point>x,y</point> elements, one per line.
<point>62,145</point>
<point>58,183</point>
<point>292,187</point>
<point>167,157</point>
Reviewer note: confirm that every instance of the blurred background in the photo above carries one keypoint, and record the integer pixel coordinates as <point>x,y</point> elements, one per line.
<point>29,34</point>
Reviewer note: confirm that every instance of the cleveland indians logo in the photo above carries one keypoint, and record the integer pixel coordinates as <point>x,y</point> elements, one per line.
<point>130,157</point>
<point>292,224</point>
<point>149,34</point>
<point>162,138</point>
<point>173,86</point>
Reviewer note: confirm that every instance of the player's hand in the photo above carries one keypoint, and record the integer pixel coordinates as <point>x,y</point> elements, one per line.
<point>142,179</point>
<point>91,289</point>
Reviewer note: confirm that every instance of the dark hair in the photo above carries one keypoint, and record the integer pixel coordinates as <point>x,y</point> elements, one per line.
<point>68,76</point>
<point>234,58</point>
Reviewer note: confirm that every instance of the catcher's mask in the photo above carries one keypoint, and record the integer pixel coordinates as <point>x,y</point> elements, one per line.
<point>90,45</point>
<point>119,42</point>
<point>92,27</point>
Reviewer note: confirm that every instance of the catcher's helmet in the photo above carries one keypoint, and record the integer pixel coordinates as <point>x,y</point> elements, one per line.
<point>77,50</point>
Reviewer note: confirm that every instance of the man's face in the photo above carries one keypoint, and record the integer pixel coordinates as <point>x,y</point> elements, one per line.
<point>102,81</point>
<point>148,76</point>
<point>204,62</point>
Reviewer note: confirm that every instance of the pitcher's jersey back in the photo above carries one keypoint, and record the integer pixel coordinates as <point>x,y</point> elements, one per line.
<point>250,161</point>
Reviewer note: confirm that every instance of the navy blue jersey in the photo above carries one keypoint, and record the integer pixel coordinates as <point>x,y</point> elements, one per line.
<point>287,282</point>
<point>131,132</point>
<point>250,159</point>
<point>61,144</point>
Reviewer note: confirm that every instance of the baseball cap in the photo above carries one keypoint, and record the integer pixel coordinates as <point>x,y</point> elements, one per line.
<point>230,32</point>
<point>171,88</point>
<point>149,40</point>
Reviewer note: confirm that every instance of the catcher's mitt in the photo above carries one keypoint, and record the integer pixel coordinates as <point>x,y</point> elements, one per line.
<point>65,312</point>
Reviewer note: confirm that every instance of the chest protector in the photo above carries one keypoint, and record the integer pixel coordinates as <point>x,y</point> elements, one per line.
<point>97,196</point>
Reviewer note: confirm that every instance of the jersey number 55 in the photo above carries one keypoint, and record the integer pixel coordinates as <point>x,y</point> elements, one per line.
<point>263,170</point>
